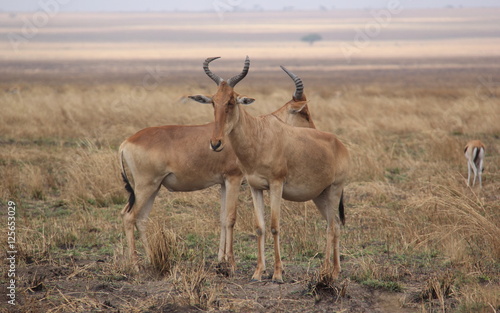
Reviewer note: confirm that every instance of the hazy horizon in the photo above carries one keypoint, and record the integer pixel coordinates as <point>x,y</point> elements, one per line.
<point>231,5</point>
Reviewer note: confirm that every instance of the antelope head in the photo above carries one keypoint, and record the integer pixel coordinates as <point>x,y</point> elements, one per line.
<point>296,112</point>
<point>225,102</point>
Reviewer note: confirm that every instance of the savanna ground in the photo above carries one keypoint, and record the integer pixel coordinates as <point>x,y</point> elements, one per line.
<point>417,239</point>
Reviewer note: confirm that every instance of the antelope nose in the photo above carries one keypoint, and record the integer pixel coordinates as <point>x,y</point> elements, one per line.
<point>216,146</point>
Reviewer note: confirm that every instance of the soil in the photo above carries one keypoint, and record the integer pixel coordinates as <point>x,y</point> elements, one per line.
<point>92,286</point>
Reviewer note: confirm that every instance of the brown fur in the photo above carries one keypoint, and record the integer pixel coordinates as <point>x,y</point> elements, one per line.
<point>178,157</point>
<point>296,164</point>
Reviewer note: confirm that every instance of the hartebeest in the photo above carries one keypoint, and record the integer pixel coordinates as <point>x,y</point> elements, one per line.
<point>474,153</point>
<point>292,163</point>
<point>177,157</point>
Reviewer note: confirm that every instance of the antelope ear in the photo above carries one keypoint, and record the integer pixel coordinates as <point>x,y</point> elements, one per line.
<point>245,100</point>
<point>297,107</point>
<point>201,99</point>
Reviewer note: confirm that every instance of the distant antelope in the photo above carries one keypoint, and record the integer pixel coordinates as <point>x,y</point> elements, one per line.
<point>474,153</point>
<point>296,164</point>
<point>177,157</point>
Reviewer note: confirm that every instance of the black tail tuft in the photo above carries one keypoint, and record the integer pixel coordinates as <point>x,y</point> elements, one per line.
<point>341,208</point>
<point>475,154</point>
<point>128,187</point>
<point>130,190</point>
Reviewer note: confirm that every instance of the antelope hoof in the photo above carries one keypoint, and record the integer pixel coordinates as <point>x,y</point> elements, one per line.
<point>278,275</point>
<point>328,277</point>
<point>256,277</point>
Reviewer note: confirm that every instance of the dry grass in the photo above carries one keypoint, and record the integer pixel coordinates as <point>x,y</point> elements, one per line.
<point>461,219</point>
<point>164,248</point>
<point>407,200</point>
<point>93,176</point>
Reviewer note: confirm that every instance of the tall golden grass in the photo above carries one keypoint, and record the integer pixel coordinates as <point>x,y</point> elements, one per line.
<point>407,188</point>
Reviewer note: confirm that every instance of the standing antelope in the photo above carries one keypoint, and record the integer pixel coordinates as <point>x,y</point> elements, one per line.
<point>296,164</point>
<point>177,157</point>
<point>474,153</point>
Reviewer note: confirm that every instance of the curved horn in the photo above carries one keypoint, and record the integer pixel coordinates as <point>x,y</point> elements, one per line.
<point>214,77</point>
<point>299,86</point>
<point>236,79</point>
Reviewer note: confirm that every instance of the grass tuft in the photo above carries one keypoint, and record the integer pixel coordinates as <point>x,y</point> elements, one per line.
<point>164,248</point>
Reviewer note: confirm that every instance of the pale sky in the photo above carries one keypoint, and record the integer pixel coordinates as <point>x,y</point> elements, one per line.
<point>212,5</point>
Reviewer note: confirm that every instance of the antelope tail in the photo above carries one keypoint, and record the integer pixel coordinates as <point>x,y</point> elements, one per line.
<point>475,154</point>
<point>341,209</point>
<point>128,187</point>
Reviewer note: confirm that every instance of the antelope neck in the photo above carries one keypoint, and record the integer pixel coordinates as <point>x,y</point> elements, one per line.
<point>245,136</point>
